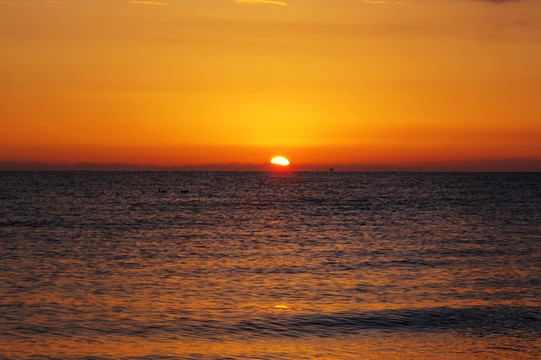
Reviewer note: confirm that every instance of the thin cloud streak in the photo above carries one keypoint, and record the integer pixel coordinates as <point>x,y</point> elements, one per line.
<point>271,2</point>
<point>499,1</point>
<point>152,3</point>
<point>7,2</point>
<point>385,2</point>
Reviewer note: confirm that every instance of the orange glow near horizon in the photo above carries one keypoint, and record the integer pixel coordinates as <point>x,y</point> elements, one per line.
<point>218,82</point>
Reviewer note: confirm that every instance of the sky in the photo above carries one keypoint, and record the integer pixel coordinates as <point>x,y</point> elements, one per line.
<point>185,82</point>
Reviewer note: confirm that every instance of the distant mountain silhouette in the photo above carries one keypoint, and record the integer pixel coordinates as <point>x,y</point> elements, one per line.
<point>526,165</point>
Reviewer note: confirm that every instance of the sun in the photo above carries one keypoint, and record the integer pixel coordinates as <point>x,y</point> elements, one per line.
<point>280,160</point>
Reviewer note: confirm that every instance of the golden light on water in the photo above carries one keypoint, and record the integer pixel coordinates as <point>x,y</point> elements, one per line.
<point>280,160</point>
<point>284,307</point>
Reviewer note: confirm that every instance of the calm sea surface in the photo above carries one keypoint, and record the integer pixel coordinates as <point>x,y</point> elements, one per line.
<point>217,265</point>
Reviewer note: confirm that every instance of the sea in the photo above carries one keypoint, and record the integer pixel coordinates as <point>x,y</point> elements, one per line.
<point>269,265</point>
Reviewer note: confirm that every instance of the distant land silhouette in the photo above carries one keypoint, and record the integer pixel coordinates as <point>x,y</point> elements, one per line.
<point>496,165</point>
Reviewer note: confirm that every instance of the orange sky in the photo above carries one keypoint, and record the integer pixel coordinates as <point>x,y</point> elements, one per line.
<point>176,82</point>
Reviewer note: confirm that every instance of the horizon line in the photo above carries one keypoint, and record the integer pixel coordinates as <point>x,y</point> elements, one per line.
<point>475,165</point>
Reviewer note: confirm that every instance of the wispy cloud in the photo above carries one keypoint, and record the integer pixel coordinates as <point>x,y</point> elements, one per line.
<point>153,3</point>
<point>383,2</point>
<point>271,2</point>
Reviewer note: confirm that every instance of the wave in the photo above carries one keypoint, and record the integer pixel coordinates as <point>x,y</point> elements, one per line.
<point>495,320</point>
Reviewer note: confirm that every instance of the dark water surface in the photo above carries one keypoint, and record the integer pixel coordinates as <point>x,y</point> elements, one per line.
<point>262,265</point>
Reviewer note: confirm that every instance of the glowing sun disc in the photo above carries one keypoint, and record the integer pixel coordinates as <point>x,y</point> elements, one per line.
<point>280,160</point>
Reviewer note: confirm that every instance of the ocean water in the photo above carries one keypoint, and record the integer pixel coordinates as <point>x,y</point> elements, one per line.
<point>219,265</point>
